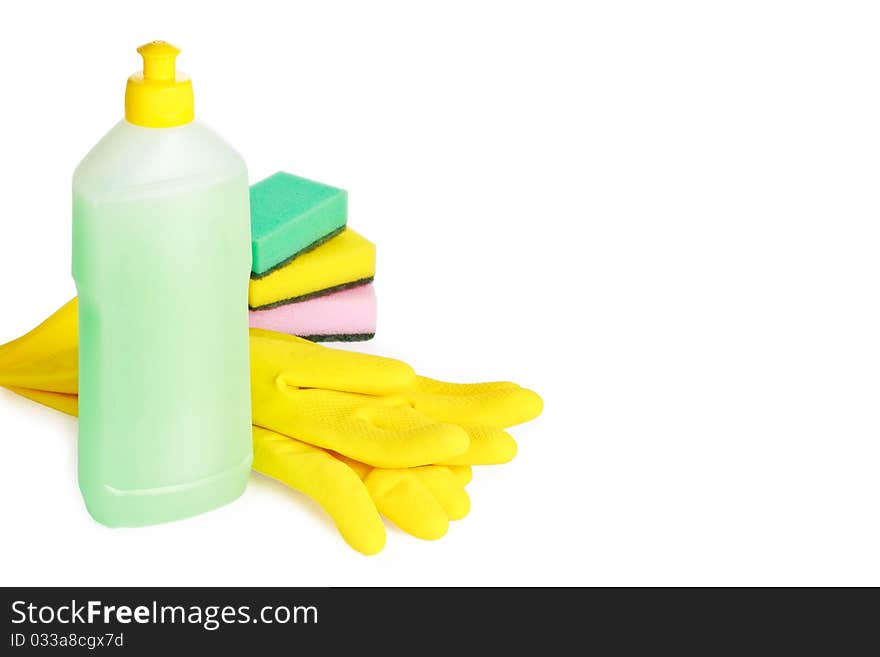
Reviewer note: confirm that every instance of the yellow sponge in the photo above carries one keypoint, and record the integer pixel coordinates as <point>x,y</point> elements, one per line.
<point>346,261</point>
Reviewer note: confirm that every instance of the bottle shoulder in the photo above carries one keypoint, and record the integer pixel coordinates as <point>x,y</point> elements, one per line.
<point>130,159</point>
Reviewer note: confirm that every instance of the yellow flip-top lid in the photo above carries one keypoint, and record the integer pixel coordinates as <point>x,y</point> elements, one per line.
<point>159,97</point>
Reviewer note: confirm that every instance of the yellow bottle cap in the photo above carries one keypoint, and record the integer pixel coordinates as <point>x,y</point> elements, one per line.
<point>159,97</point>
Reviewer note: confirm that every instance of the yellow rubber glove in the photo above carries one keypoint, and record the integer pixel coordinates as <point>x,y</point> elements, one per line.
<point>372,409</point>
<point>420,501</point>
<point>377,410</point>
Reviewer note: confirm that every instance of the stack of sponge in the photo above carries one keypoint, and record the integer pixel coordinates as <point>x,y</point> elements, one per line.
<point>312,274</point>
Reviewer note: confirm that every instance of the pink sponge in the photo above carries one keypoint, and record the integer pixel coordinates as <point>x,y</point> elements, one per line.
<point>347,315</point>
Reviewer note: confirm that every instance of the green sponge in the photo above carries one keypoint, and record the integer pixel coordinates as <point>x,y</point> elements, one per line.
<point>291,215</point>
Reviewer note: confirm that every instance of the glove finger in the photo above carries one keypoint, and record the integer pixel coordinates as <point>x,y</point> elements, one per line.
<point>360,469</point>
<point>329,482</point>
<point>58,333</point>
<point>463,472</point>
<point>304,364</point>
<point>404,499</point>
<point>368,429</point>
<point>400,436</point>
<point>446,488</point>
<point>58,400</point>
<point>499,404</point>
<point>52,372</point>
<point>488,446</point>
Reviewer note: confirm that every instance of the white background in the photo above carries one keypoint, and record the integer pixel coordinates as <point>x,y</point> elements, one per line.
<point>661,216</point>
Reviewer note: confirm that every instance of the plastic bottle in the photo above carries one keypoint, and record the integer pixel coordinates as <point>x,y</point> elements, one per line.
<point>161,257</point>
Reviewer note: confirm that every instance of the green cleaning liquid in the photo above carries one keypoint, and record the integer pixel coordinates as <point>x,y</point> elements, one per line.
<point>161,260</point>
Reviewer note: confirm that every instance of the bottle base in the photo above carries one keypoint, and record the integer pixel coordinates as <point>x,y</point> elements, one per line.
<point>151,506</point>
